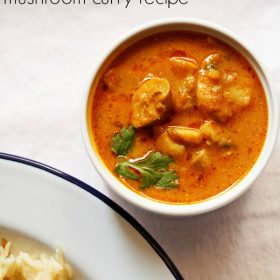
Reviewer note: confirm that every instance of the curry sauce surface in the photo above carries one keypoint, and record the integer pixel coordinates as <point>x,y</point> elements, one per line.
<point>111,110</point>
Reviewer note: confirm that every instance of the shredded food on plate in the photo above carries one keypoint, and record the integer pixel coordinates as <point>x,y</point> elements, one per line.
<point>27,267</point>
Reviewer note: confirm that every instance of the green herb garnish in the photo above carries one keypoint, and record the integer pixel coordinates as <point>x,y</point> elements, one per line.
<point>153,170</point>
<point>122,141</point>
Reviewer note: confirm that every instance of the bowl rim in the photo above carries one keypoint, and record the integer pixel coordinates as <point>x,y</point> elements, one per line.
<point>224,197</point>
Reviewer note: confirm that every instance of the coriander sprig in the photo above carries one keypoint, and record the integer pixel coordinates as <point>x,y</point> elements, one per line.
<point>123,140</point>
<point>153,170</point>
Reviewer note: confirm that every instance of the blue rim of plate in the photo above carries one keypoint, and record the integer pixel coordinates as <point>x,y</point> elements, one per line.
<point>132,221</point>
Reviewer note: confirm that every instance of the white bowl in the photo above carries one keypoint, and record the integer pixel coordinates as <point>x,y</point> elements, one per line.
<point>273,118</point>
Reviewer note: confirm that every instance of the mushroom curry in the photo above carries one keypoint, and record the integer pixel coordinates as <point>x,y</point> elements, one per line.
<point>178,117</point>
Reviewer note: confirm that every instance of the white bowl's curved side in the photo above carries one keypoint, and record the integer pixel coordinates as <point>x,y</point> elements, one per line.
<point>247,181</point>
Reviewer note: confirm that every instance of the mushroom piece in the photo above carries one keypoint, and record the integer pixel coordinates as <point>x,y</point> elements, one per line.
<point>211,64</point>
<point>209,131</point>
<point>150,102</point>
<point>210,97</point>
<point>167,146</point>
<point>209,91</point>
<point>230,77</point>
<point>238,96</point>
<point>185,135</point>
<point>200,160</point>
<point>184,63</point>
<point>183,96</point>
<point>220,95</point>
<point>211,61</point>
<point>213,134</point>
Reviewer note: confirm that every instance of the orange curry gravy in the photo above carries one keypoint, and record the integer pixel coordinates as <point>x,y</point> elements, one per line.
<point>239,118</point>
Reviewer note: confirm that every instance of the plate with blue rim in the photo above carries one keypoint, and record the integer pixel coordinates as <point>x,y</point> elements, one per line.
<point>99,238</point>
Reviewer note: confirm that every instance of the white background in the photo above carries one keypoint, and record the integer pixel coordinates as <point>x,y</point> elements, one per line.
<point>47,54</point>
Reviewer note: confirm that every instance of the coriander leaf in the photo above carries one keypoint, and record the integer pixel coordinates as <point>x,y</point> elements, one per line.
<point>123,169</point>
<point>149,177</point>
<point>168,180</point>
<point>155,160</point>
<point>153,170</point>
<point>122,141</point>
